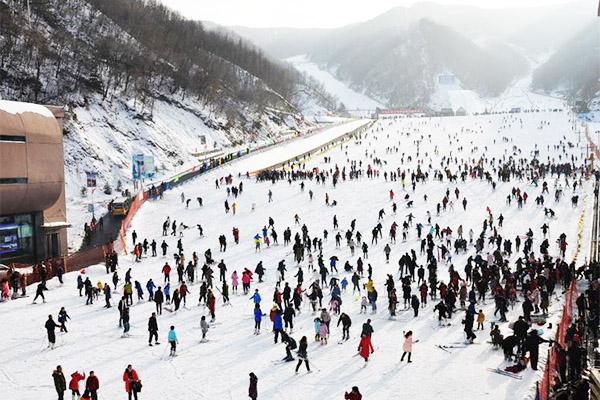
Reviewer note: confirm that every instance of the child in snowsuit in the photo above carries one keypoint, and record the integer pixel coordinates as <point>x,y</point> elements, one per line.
<point>363,305</point>
<point>480,320</point>
<point>407,346</point>
<point>323,333</point>
<point>204,327</point>
<point>317,323</point>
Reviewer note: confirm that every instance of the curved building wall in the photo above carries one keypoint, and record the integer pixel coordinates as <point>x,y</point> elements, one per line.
<point>32,199</point>
<point>32,170</point>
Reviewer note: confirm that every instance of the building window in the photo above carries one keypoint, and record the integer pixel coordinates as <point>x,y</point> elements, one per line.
<point>12,138</point>
<point>12,181</point>
<point>16,236</point>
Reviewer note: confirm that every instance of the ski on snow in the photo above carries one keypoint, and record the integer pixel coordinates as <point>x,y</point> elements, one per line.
<point>505,373</point>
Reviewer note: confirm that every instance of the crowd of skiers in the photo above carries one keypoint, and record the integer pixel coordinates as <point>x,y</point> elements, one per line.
<point>522,273</point>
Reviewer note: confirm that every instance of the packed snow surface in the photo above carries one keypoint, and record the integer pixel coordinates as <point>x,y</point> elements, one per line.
<point>218,369</point>
<point>295,148</point>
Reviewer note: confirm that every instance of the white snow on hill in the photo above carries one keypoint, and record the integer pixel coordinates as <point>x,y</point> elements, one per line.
<point>517,96</point>
<point>102,137</point>
<point>218,369</point>
<point>351,99</point>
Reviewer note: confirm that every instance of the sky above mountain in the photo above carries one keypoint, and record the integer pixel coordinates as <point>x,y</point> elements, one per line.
<point>313,13</point>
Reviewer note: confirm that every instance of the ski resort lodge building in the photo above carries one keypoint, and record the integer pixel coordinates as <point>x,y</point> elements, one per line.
<point>33,223</point>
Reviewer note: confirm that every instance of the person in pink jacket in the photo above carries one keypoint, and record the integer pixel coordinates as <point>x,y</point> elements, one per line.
<point>407,346</point>
<point>234,282</point>
<point>323,332</point>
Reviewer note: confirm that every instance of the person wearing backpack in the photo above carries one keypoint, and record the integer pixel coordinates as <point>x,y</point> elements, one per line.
<point>133,385</point>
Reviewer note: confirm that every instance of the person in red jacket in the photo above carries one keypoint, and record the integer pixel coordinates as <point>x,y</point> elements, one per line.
<point>166,270</point>
<point>132,382</point>
<point>211,304</point>
<point>76,377</point>
<point>92,384</point>
<point>365,348</point>
<point>353,395</point>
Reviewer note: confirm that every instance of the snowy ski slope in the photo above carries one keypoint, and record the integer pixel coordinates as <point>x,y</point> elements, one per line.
<point>219,368</point>
<point>295,148</point>
<point>351,99</point>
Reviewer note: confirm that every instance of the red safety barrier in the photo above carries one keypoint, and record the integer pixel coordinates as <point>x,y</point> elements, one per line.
<point>551,368</point>
<point>137,202</point>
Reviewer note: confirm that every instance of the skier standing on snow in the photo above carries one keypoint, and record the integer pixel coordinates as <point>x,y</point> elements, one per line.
<point>152,330</point>
<point>257,318</point>
<point>62,319</point>
<point>365,347</point>
<point>302,354</point>
<point>204,327</point>
<point>407,346</point>
<point>125,318</point>
<point>172,337</point>
<point>50,327</point>
<point>211,302</point>
<point>158,299</point>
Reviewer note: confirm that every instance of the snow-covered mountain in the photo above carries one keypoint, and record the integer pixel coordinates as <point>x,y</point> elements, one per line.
<point>487,50</point>
<point>574,69</point>
<point>137,77</point>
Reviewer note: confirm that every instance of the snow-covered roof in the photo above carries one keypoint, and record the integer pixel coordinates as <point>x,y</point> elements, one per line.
<point>17,107</point>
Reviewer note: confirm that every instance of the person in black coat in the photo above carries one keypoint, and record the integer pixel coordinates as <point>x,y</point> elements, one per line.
<point>39,292</point>
<point>527,309</point>
<point>152,329</point>
<point>532,344</point>
<point>290,344</point>
<point>346,323</point>
<point>303,354</point>
<point>252,389</point>
<point>158,299</point>
<point>520,328</point>
<point>508,344</point>
<point>60,384</point>
<point>50,327</point>
<point>367,329</point>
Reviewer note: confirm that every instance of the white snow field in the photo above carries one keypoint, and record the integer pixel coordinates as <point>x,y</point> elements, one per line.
<point>295,148</point>
<point>219,368</point>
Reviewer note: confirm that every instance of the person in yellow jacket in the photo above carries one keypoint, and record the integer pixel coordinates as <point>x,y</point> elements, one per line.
<point>480,320</point>
<point>369,285</point>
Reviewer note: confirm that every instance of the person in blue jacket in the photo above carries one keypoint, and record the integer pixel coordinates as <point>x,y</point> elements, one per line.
<point>257,318</point>
<point>139,290</point>
<point>256,297</point>
<point>150,286</point>
<point>344,283</point>
<point>277,324</point>
<point>172,338</point>
<point>167,292</point>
